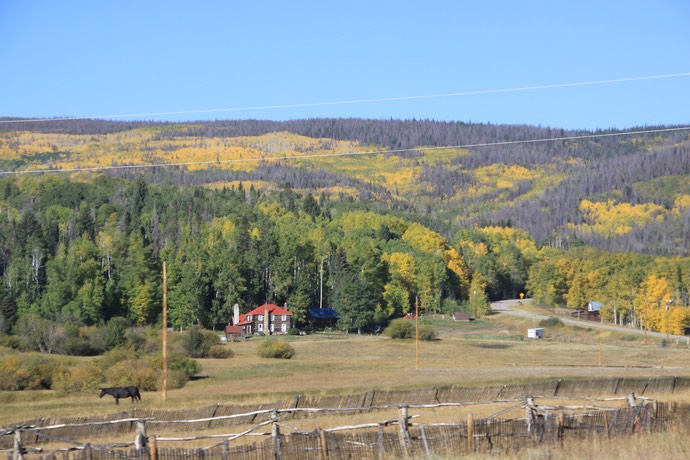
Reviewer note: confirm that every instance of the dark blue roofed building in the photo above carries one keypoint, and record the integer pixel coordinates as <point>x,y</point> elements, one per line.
<point>320,318</point>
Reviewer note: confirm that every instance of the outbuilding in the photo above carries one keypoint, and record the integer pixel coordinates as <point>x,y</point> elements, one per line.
<point>535,333</point>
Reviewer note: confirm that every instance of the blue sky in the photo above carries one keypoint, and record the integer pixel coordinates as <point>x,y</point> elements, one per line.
<point>369,59</point>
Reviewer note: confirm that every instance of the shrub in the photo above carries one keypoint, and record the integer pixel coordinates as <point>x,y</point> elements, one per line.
<point>26,372</point>
<point>115,356</point>
<point>124,368</point>
<point>187,366</point>
<point>10,341</point>
<point>82,377</point>
<point>402,328</point>
<point>551,322</point>
<point>180,369</point>
<point>220,352</point>
<point>145,340</point>
<point>279,349</point>
<point>138,372</point>
<point>114,333</point>
<point>427,333</point>
<point>198,342</point>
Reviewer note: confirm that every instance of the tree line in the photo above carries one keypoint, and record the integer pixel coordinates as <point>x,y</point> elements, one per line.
<point>86,252</point>
<point>82,253</point>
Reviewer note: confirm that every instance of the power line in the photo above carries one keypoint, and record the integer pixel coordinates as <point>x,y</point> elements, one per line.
<point>342,154</point>
<point>354,101</point>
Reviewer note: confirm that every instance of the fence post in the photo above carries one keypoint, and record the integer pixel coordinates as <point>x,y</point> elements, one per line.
<point>140,440</point>
<point>404,432</point>
<point>561,427</point>
<point>324,444</point>
<point>424,440</point>
<point>380,441</point>
<point>18,448</point>
<point>606,426</point>
<point>88,451</point>
<point>226,449</point>
<point>154,448</point>
<point>470,433</point>
<point>275,434</point>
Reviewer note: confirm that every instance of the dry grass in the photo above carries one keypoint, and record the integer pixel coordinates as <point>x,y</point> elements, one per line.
<point>674,444</point>
<point>467,354</point>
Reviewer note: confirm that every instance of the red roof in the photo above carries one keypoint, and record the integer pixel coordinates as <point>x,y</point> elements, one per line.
<point>243,320</point>
<point>272,309</point>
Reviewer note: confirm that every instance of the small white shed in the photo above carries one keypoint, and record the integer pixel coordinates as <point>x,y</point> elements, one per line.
<point>535,333</point>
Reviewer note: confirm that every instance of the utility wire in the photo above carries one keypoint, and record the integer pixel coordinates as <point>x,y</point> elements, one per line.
<point>343,154</point>
<point>353,101</point>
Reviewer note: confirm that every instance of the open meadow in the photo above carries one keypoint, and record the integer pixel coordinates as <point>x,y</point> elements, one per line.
<point>490,351</point>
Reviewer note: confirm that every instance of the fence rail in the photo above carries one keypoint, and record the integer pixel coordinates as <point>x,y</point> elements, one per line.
<point>396,437</point>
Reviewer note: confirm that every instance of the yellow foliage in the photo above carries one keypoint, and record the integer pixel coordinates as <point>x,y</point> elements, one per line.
<point>652,302</point>
<point>358,219</point>
<point>611,218</point>
<point>223,226</point>
<point>681,204</point>
<point>456,264</point>
<point>424,239</point>
<point>403,264</point>
<point>519,237</point>
<point>502,176</point>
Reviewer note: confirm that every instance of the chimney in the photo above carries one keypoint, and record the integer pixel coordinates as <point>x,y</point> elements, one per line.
<point>267,320</point>
<point>236,315</point>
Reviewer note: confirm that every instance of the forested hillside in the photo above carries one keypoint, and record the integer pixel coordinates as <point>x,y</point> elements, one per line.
<point>613,191</point>
<point>364,216</point>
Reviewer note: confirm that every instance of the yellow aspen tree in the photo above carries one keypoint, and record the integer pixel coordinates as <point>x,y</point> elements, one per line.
<point>651,303</point>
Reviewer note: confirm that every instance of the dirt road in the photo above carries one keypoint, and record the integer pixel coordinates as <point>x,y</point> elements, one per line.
<point>512,307</point>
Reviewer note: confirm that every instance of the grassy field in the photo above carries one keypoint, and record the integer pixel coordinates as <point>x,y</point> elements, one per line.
<point>484,352</point>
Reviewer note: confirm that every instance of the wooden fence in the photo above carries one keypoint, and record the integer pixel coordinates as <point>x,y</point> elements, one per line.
<point>393,438</point>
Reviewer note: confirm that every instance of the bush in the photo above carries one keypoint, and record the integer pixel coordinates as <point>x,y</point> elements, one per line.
<point>10,341</point>
<point>427,333</point>
<point>180,369</point>
<point>402,328</point>
<point>82,377</point>
<point>551,322</point>
<point>115,332</point>
<point>124,367</point>
<point>279,349</point>
<point>198,342</point>
<point>220,352</point>
<point>187,366</point>
<point>115,356</point>
<point>26,372</point>
<point>137,372</point>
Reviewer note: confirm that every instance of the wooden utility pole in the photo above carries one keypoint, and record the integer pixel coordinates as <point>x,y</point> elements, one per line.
<point>416,327</point>
<point>164,359</point>
<point>601,338</point>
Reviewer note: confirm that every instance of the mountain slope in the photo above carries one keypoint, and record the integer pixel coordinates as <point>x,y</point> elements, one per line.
<point>623,191</point>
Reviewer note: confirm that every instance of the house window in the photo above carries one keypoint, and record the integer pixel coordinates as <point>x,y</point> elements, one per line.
<point>249,317</point>
<point>284,318</point>
<point>283,328</point>
<point>260,327</point>
<point>271,327</point>
<point>260,317</point>
<point>273,318</point>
